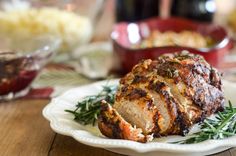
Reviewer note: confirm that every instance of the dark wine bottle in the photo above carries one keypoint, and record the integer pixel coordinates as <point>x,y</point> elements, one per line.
<point>135,10</point>
<point>200,10</point>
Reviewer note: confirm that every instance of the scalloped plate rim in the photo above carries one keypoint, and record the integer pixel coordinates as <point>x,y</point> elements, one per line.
<point>126,144</point>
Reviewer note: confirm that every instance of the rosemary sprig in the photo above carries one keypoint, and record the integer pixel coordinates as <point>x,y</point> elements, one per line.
<point>222,126</point>
<point>88,109</point>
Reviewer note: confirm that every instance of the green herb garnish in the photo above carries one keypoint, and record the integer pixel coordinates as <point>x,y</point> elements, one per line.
<point>88,109</point>
<point>222,126</point>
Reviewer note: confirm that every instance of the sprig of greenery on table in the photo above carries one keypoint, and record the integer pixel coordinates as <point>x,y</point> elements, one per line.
<point>88,110</point>
<point>222,126</point>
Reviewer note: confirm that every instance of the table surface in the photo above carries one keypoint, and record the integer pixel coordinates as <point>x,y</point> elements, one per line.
<point>25,132</point>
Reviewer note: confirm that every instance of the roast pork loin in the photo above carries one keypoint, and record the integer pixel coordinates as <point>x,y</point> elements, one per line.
<point>163,97</point>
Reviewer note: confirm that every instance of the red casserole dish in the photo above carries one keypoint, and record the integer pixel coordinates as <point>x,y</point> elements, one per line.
<point>128,56</point>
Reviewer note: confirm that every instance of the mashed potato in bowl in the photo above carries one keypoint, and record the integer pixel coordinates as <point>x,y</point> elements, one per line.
<point>71,28</point>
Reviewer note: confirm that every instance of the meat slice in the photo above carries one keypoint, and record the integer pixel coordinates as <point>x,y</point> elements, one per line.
<point>143,107</point>
<point>168,95</point>
<point>112,125</point>
<point>136,106</point>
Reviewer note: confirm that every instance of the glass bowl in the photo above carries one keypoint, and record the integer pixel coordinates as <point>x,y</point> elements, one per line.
<point>70,20</point>
<point>21,61</point>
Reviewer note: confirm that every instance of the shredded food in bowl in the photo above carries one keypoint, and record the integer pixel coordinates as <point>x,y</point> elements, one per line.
<point>28,23</point>
<point>170,38</point>
<point>232,21</point>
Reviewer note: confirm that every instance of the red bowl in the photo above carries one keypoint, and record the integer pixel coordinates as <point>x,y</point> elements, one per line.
<point>128,56</point>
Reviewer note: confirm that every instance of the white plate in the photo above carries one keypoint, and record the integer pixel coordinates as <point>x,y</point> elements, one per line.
<point>63,123</point>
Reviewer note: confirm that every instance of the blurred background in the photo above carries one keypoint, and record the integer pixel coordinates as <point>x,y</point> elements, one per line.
<point>93,39</point>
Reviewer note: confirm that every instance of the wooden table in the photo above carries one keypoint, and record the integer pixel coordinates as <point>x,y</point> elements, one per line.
<point>24,132</point>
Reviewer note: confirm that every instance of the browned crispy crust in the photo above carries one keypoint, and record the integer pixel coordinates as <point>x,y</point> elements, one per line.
<point>165,96</point>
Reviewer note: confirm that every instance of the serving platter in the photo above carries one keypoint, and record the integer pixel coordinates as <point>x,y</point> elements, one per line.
<point>63,123</point>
